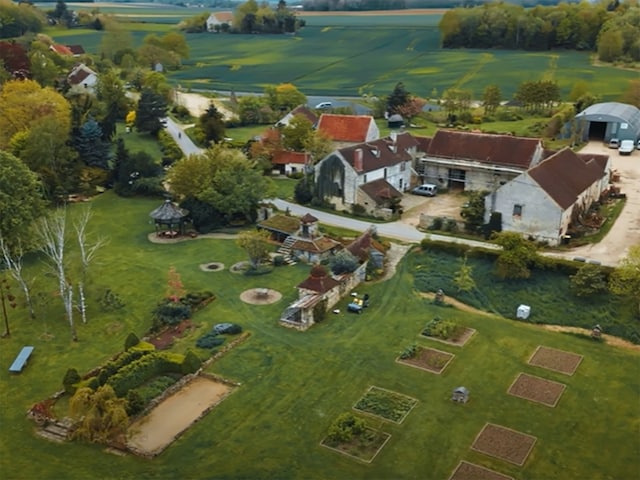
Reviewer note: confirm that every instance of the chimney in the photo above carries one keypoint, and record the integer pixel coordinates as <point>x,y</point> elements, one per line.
<point>394,137</point>
<point>357,159</point>
<point>375,151</point>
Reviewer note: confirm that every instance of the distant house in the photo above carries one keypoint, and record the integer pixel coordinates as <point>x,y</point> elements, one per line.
<point>370,174</point>
<point>67,50</point>
<point>347,129</point>
<point>217,19</point>
<point>288,163</point>
<point>299,110</point>
<point>476,161</point>
<point>546,200</point>
<point>82,78</point>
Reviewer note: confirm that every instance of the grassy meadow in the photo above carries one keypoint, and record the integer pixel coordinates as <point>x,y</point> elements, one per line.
<point>293,384</point>
<point>350,55</point>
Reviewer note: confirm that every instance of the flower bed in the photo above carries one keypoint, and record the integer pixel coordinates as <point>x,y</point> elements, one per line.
<point>428,359</point>
<point>385,404</point>
<point>363,444</point>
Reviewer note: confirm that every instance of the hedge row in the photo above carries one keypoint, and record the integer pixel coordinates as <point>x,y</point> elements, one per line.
<point>144,369</point>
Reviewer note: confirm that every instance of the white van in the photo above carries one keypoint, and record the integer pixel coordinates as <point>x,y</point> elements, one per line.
<point>323,105</point>
<point>427,189</point>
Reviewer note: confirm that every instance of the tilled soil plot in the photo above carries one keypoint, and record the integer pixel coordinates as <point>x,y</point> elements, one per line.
<point>537,389</point>
<point>556,360</point>
<point>504,443</point>
<point>471,471</point>
<point>429,359</point>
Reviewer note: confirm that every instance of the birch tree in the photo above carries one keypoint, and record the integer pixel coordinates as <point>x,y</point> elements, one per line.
<point>13,262</point>
<point>51,231</point>
<point>87,254</point>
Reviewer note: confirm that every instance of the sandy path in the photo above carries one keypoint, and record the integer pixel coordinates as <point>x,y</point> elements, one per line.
<point>197,104</point>
<point>174,415</point>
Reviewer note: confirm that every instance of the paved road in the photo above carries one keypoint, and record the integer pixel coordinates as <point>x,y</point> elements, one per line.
<point>181,138</point>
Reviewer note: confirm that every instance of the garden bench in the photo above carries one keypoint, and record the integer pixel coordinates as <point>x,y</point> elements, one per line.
<point>21,360</point>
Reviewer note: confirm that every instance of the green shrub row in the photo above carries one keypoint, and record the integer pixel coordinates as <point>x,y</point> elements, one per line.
<point>142,370</point>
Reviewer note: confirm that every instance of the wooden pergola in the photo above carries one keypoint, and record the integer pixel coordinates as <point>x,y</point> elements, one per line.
<point>169,219</point>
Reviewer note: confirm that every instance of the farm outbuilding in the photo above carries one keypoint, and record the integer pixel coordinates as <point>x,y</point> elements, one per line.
<point>604,121</point>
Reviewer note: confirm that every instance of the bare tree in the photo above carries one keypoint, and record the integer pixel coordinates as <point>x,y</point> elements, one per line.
<point>87,254</point>
<point>51,231</point>
<point>13,261</point>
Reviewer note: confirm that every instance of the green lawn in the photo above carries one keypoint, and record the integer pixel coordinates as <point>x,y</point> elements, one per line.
<point>295,384</point>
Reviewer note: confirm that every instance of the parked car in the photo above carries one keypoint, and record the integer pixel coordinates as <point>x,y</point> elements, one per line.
<point>614,143</point>
<point>626,147</point>
<point>427,189</point>
<point>324,105</point>
<point>639,144</point>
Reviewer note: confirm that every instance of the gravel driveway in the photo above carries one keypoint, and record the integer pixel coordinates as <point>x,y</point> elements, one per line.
<point>626,231</point>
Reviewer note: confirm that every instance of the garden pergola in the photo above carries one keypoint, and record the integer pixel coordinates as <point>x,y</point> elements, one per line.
<point>169,219</point>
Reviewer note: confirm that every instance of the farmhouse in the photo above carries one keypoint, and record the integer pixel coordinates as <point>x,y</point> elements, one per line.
<point>82,78</point>
<point>604,121</point>
<point>348,129</point>
<point>545,201</point>
<point>67,50</point>
<point>286,162</point>
<point>476,161</point>
<point>217,19</point>
<point>372,175</point>
<point>303,110</point>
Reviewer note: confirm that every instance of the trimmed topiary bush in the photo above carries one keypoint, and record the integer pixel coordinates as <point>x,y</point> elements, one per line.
<point>70,380</point>
<point>191,363</point>
<point>210,340</point>
<point>131,341</point>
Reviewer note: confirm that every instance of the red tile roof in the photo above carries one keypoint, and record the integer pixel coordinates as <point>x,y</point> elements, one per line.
<point>379,153</point>
<point>380,191</point>
<point>285,157</point>
<point>345,128</point>
<point>319,280</point>
<point>504,150</point>
<point>564,176</point>
<point>61,49</point>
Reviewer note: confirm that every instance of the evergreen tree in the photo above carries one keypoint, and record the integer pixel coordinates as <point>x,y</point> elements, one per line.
<point>212,124</point>
<point>152,109</point>
<point>88,142</point>
<point>399,97</point>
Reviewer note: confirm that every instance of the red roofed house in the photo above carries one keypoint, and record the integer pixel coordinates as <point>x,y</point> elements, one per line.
<point>61,50</point>
<point>546,200</point>
<point>303,110</point>
<point>321,290</point>
<point>372,175</point>
<point>349,128</point>
<point>217,19</point>
<point>476,161</point>
<point>287,162</point>
<point>82,78</point>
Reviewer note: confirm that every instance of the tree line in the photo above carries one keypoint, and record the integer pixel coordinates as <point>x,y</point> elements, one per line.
<point>612,29</point>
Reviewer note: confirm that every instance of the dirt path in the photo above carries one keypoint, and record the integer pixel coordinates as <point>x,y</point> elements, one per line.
<point>609,339</point>
<point>197,104</point>
<point>169,419</point>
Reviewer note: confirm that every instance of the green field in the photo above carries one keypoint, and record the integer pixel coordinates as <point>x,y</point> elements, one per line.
<point>355,55</point>
<point>295,384</point>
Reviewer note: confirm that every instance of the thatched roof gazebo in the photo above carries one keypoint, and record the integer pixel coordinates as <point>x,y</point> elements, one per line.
<point>169,219</point>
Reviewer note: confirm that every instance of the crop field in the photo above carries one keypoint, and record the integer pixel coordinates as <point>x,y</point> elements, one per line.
<point>352,55</point>
<point>294,384</point>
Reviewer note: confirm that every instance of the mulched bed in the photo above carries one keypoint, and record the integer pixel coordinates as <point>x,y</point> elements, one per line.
<point>458,341</point>
<point>364,447</point>
<point>165,338</point>
<point>429,359</point>
<point>556,360</point>
<point>471,471</point>
<point>537,389</point>
<point>504,443</point>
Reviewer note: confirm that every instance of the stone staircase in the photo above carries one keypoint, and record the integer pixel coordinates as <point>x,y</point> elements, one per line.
<point>285,250</point>
<point>56,431</point>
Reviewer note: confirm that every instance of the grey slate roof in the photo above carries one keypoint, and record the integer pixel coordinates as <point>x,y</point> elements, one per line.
<point>612,112</point>
<point>168,212</point>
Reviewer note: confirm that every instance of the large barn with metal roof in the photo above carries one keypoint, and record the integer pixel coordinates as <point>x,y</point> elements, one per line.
<point>604,121</point>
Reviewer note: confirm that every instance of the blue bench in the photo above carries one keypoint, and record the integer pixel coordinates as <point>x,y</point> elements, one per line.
<point>21,360</point>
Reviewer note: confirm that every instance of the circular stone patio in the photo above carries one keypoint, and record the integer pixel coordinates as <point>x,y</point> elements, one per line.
<point>212,267</point>
<point>260,296</point>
